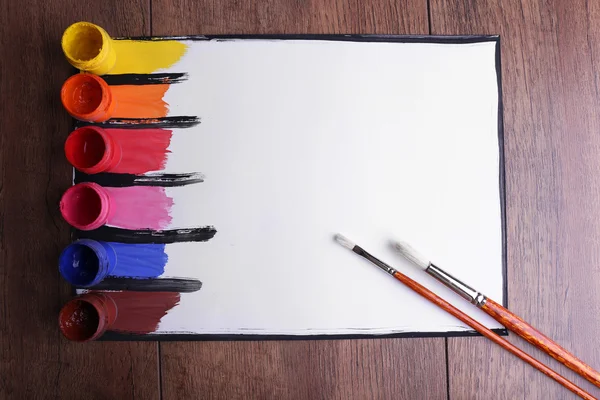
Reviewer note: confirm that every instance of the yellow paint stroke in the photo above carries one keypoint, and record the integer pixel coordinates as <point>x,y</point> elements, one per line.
<point>146,56</point>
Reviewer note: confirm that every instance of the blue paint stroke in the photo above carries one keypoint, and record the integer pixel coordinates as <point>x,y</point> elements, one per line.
<point>87,262</point>
<point>139,260</point>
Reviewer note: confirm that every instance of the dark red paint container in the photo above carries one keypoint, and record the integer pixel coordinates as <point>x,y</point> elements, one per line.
<point>87,317</point>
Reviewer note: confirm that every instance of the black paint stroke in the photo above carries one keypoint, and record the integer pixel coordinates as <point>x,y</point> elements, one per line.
<point>134,123</point>
<point>111,234</point>
<point>441,39</point>
<point>207,337</point>
<point>435,39</point>
<point>502,177</point>
<point>145,79</point>
<point>123,180</point>
<point>181,285</point>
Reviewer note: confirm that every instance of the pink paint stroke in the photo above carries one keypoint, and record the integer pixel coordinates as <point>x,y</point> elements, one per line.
<point>139,207</point>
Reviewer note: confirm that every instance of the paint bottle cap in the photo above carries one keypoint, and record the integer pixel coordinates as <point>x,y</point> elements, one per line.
<point>92,150</point>
<point>87,97</point>
<point>89,48</point>
<point>85,206</point>
<point>87,317</point>
<point>86,262</point>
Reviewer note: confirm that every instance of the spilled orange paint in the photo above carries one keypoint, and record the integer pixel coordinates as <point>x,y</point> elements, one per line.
<point>139,101</point>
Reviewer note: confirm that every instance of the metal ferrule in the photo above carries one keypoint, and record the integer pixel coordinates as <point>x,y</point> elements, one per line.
<point>459,287</point>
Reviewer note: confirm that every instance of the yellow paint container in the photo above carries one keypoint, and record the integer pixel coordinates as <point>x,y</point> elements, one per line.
<point>89,48</point>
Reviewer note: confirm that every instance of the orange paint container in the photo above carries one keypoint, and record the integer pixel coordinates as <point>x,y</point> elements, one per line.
<point>88,97</point>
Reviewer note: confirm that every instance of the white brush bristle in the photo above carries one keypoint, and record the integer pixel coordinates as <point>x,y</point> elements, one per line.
<point>411,254</point>
<point>344,241</point>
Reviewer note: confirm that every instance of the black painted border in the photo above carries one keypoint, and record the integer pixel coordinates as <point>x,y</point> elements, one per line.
<point>469,39</point>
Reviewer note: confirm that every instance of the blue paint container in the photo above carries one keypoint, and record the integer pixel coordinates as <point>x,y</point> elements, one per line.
<point>87,262</point>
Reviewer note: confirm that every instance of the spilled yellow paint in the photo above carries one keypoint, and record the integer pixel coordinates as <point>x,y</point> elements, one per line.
<point>146,56</point>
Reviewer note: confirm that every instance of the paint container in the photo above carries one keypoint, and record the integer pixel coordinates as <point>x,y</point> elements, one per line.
<point>87,97</point>
<point>86,206</point>
<point>92,150</point>
<point>87,317</point>
<point>87,262</point>
<point>89,48</point>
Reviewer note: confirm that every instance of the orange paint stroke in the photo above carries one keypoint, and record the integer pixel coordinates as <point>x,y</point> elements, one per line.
<point>140,101</point>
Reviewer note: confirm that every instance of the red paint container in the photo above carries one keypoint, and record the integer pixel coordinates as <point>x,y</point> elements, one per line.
<point>86,206</point>
<point>87,317</point>
<point>92,150</point>
<point>87,97</point>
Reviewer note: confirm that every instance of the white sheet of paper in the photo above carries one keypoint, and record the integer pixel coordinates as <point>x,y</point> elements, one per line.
<point>301,139</point>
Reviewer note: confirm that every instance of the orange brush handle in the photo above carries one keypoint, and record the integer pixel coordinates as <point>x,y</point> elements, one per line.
<point>538,339</point>
<point>435,299</point>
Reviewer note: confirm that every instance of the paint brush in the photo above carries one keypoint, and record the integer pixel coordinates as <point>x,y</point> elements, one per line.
<point>500,314</point>
<point>435,299</point>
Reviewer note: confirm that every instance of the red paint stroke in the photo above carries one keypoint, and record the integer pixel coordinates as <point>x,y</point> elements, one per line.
<point>139,207</point>
<point>140,101</point>
<point>93,150</point>
<point>141,312</point>
<point>143,150</point>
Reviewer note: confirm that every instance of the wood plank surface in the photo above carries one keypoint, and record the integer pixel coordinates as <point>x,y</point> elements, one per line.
<point>346,369</point>
<point>35,361</point>
<point>336,369</point>
<point>550,51</point>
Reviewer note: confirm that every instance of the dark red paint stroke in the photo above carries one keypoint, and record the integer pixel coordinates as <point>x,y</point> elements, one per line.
<point>143,150</point>
<point>141,312</point>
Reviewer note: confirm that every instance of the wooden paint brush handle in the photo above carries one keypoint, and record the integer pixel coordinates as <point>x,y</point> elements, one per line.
<point>435,299</point>
<point>515,324</point>
<point>485,331</point>
<point>538,339</point>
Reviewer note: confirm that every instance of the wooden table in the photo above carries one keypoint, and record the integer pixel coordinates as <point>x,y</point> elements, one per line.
<point>550,70</point>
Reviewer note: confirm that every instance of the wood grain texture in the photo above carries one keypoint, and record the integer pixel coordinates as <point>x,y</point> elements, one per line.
<point>345,369</point>
<point>541,341</point>
<point>339,369</point>
<point>550,52</point>
<point>35,361</point>
<point>289,16</point>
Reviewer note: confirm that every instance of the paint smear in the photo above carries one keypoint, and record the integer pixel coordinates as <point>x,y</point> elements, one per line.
<point>140,312</point>
<point>181,285</point>
<point>139,101</point>
<point>143,150</point>
<point>145,79</point>
<point>139,207</point>
<point>112,234</point>
<point>133,123</point>
<point>146,56</point>
<point>105,179</point>
<point>139,260</point>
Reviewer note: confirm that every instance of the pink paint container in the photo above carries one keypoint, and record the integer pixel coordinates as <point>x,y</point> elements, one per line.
<point>86,206</point>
